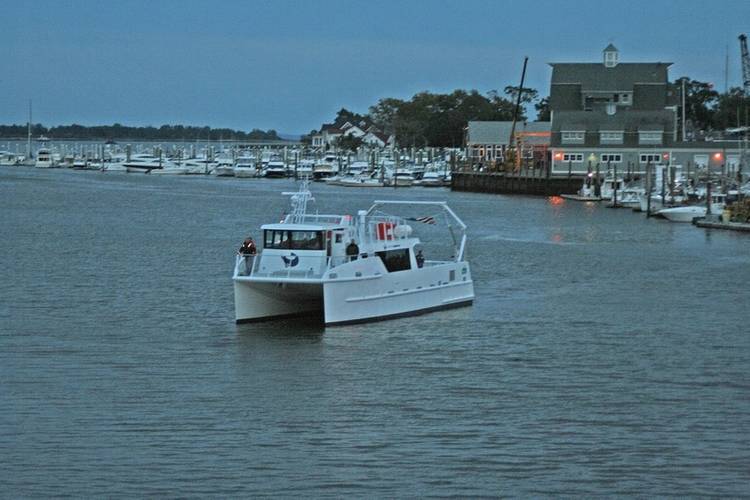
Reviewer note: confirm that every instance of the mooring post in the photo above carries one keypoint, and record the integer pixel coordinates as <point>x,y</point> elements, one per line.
<point>648,188</point>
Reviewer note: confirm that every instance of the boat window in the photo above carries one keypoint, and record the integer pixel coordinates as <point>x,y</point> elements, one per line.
<point>395,260</point>
<point>293,240</point>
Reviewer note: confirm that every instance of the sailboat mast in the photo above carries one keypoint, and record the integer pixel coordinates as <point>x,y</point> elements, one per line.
<point>28,144</point>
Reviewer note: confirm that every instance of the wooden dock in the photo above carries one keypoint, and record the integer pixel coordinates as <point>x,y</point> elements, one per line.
<point>732,226</point>
<point>503,183</point>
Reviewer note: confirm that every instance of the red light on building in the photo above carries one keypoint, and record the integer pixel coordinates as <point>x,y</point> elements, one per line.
<point>558,156</point>
<point>717,156</point>
<point>665,156</point>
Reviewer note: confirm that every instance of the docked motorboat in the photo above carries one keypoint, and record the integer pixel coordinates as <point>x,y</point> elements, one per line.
<point>145,163</point>
<point>245,168</point>
<point>359,181</point>
<point>307,266</point>
<point>689,212</point>
<point>403,178</point>
<point>44,159</point>
<point>432,179</point>
<point>276,169</point>
<point>8,159</point>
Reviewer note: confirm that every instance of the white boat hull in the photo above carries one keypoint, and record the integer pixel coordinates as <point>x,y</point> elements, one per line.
<point>254,301</point>
<point>390,295</point>
<point>687,214</point>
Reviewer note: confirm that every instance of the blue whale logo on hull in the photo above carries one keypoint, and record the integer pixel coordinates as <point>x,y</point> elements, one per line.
<point>290,261</point>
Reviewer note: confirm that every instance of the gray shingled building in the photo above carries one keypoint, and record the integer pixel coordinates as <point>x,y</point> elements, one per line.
<point>487,141</point>
<point>624,114</point>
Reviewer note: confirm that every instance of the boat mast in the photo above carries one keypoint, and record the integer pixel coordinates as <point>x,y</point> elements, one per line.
<point>28,144</point>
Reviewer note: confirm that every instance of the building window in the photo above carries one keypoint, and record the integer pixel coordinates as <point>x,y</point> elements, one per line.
<point>611,158</point>
<point>649,137</point>
<point>573,157</point>
<point>625,98</point>
<point>650,158</point>
<point>573,137</point>
<point>611,137</point>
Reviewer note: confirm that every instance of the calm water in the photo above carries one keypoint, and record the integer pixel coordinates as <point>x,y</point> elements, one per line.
<point>605,354</point>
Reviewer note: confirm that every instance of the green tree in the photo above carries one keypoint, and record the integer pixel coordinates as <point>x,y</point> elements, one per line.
<point>700,102</point>
<point>732,109</point>
<point>542,110</point>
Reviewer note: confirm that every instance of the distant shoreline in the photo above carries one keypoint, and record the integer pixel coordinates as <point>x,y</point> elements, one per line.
<point>119,140</point>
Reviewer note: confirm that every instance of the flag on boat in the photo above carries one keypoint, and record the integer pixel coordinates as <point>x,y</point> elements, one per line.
<point>423,220</point>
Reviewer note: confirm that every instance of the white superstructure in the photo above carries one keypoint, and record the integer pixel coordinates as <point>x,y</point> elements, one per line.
<point>304,267</point>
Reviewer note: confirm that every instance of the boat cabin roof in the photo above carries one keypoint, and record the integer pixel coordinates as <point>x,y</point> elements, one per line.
<point>301,227</point>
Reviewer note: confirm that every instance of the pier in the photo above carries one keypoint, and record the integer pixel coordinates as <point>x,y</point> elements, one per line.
<point>513,183</point>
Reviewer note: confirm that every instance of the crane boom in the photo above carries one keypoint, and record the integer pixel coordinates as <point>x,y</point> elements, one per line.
<point>745,65</point>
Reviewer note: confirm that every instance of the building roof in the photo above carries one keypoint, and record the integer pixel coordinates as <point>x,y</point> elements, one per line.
<point>610,48</point>
<point>623,120</point>
<point>598,77</point>
<point>498,133</point>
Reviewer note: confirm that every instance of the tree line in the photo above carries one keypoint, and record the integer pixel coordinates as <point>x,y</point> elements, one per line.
<point>117,131</point>
<point>439,120</point>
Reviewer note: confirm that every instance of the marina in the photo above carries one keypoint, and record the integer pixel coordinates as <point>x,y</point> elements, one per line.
<point>386,249</point>
<point>128,350</point>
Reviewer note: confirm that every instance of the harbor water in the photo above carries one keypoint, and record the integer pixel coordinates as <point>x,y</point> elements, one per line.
<point>605,354</point>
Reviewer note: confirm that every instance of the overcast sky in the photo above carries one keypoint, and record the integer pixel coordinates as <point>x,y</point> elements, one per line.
<point>290,65</point>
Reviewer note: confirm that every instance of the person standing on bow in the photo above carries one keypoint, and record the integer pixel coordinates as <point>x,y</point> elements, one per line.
<point>249,251</point>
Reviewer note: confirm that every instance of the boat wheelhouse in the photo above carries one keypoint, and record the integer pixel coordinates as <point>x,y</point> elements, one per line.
<point>307,266</point>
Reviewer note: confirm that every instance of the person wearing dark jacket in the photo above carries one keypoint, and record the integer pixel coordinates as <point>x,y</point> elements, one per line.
<point>248,250</point>
<point>352,250</point>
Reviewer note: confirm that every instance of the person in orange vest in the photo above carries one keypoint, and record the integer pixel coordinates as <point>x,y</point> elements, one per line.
<point>248,250</point>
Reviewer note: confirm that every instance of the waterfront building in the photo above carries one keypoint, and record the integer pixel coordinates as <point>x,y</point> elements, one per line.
<point>365,130</point>
<point>625,115</point>
<point>487,141</point>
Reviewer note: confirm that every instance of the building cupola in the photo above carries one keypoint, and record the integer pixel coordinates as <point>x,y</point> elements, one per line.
<point>611,56</point>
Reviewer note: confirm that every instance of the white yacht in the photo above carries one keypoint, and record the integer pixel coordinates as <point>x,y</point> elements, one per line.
<point>432,179</point>
<point>402,178</point>
<point>8,159</point>
<point>245,167</point>
<point>275,169</point>
<point>45,159</point>
<point>327,167</point>
<point>304,267</point>
<point>145,163</point>
<point>689,212</point>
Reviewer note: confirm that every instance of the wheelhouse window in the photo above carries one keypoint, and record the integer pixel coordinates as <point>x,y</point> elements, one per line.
<point>293,240</point>
<point>395,260</point>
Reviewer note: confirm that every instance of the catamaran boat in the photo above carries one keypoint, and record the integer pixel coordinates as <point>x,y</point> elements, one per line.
<point>304,267</point>
<point>689,212</point>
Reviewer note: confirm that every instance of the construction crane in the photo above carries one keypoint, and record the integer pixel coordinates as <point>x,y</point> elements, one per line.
<point>745,65</point>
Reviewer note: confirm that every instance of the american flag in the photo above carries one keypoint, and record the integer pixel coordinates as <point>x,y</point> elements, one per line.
<point>423,220</point>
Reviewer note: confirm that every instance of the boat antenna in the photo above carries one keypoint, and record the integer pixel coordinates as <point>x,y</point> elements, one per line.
<point>299,201</point>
